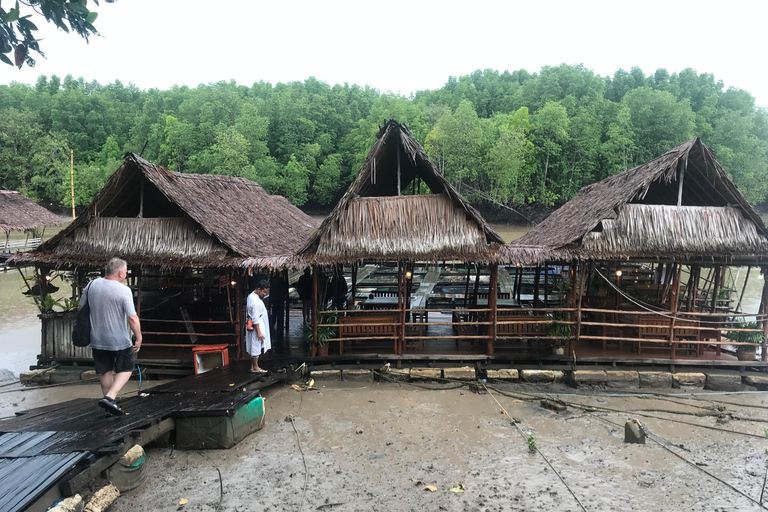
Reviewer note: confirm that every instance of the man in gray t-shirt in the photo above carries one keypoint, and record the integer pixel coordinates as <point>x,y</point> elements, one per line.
<point>111,305</point>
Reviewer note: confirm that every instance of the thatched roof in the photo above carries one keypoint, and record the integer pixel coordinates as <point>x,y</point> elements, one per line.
<point>371,221</point>
<point>21,213</point>
<point>634,214</point>
<point>186,220</point>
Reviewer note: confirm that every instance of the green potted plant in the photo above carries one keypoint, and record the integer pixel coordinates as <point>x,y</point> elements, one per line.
<point>754,338</point>
<point>326,330</point>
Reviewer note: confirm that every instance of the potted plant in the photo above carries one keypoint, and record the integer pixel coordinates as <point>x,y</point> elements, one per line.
<point>754,338</point>
<point>326,330</point>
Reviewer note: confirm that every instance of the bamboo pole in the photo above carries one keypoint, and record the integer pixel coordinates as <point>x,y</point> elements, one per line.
<point>72,179</point>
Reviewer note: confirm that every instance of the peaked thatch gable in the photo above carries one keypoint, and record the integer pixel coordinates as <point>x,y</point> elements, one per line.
<point>372,221</point>
<point>149,215</point>
<point>635,213</point>
<point>21,213</point>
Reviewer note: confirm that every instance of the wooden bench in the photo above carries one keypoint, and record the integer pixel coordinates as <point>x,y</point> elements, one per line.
<point>359,327</point>
<point>653,327</point>
<point>520,325</point>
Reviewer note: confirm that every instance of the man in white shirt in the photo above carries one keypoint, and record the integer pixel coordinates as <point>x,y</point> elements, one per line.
<point>257,338</point>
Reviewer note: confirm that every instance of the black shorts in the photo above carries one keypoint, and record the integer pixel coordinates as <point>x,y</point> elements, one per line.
<point>118,361</point>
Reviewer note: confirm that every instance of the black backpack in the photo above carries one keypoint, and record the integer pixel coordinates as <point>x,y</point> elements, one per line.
<point>81,334</point>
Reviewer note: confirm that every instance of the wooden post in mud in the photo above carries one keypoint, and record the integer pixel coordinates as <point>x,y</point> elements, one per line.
<point>764,310</point>
<point>493,293</point>
<point>315,270</point>
<point>673,309</point>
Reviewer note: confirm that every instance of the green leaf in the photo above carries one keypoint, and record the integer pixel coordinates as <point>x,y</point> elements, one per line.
<point>91,17</point>
<point>27,24</point>
<point>12,16</point>
<point>5,59</point>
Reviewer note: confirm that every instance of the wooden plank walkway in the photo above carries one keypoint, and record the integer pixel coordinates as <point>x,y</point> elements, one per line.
<point>66,437</point>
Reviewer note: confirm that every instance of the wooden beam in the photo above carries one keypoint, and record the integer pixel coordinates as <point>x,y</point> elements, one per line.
<point>673,309</point>
<point>572,344</point>
<point>715,289</point>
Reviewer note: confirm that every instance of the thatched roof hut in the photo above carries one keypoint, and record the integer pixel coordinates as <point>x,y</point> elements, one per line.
<point>374,220</point>
<point>681,205</point>
<point>151,216</point>
<point>21,213</point>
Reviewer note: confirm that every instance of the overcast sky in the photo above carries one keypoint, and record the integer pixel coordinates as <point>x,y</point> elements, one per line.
<point>404,46</point>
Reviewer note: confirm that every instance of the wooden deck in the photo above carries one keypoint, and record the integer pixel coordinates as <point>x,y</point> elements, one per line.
<point>56,450</point>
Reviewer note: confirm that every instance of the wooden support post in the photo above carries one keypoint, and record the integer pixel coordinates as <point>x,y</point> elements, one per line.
<point>354,286</point>
<point>518,282</point>
<point>673,309</point>
<point>536,280</point>
<point>715,289</point>
<point>572,343</point>
<point>238,315</point>
<point>287,304</point>
<point>466,287</point>
<point>138,291</point>
<point>229,296</point>
<point>401,294</point>
<point>764,310</point>
<point>546,284</point>
<point>315,281</point>
<point>743,289</point>
<point>476,291</point>
<point>493,292</point>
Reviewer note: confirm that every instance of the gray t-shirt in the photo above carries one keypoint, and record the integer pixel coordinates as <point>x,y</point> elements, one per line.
<point>111,304</point>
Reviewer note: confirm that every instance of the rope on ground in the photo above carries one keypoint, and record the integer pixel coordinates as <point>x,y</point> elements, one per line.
<point>301,449</point>
<point>221,490</point>
<point>520,395</point>
<point>504,411</point>
<point>750,498</point>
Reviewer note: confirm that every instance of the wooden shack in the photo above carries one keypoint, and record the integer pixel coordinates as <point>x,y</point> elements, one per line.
<point>20,213</point>
<point>654,251</point>
<point>191,242</point>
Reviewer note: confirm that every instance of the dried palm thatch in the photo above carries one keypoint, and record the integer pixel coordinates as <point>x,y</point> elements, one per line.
<point>172,219</point>
<point>21,213</point>
<point>574,230</point>
<point>420,227</point>
<point>677,230</point>
<point>372,220</point>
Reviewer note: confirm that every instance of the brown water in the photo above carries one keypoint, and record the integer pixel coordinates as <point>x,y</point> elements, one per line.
<point>20,327</point>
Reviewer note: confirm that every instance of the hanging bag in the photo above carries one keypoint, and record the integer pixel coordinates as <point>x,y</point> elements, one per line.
<point>81,334</point>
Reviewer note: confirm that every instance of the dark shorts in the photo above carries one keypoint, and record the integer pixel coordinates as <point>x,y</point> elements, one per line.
<point>118,361</point>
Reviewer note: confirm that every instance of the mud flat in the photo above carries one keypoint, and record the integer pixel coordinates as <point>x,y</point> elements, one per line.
<point>381,446</point>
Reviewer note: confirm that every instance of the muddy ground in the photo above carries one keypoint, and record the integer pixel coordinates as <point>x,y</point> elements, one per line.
<point>366,443</point>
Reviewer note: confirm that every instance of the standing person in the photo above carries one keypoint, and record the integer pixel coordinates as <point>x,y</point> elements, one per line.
<point>277,292</point>
<point>114,356</point>
<point>304,289</point>
<point>257,338</point>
